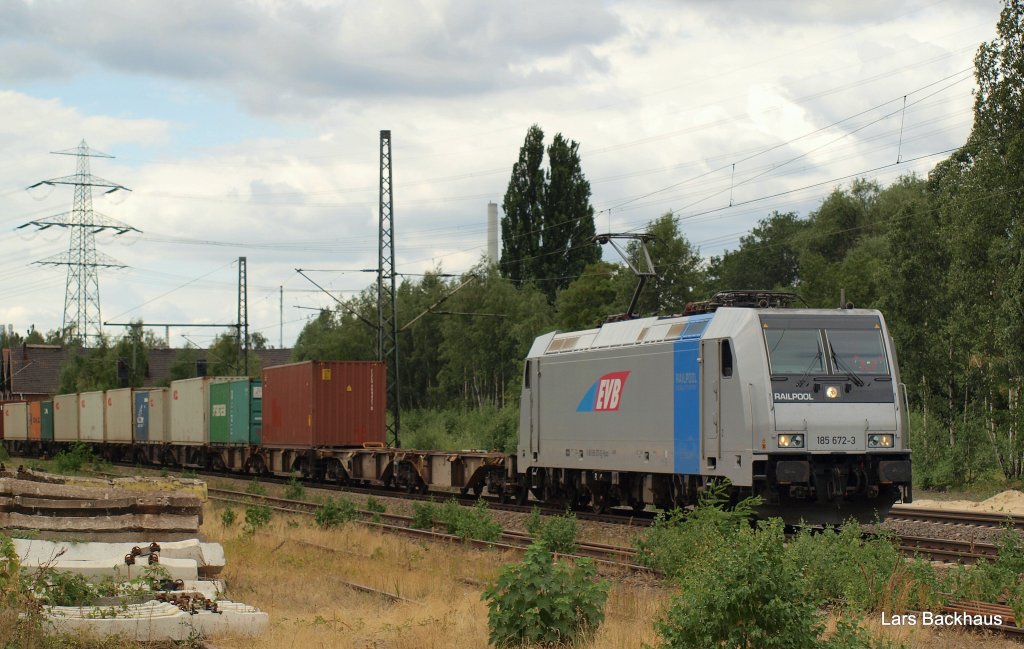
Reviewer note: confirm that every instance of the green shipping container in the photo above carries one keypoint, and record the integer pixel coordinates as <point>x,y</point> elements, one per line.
<point>46,421</point>
<point>234,413</point>
<point>256,411</point>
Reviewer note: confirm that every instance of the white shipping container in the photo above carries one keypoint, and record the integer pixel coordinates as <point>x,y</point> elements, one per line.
<point>16,420</point>
<point>190,409</point>
<point>65,417</point>
<point>90,416</point>
<point>117,416</point>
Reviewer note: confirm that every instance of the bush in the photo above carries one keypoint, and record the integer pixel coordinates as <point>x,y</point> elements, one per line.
<point>557,532</point>
<point>227,517</point>
<point>295,490</point>
<point>4,457</point>
<point>470,522</point>
<point>423,515</point>
<point>256,516</point>
<point>333,513</point>
<point>255,488</point>
<point>847,568</point>
<point>75,458</point>
<point>540,601</point>
<point>741,595</point>
<point>679,539</point>
<point>375,506</point>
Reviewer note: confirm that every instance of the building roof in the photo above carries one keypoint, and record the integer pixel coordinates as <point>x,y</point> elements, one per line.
<point>33,371</point>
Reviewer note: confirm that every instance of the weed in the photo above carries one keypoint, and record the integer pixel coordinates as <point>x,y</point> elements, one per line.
<point>470,522</point>
<point>375,506</point>
<point>256,516</point>
<point>255,488</point>
<point>423,515</point>
<point>227,517</point>
<point>335,512</point>
<point>295,490</point>
<point>189,473</point>
<point>544,602</point>
<point>75,458</point>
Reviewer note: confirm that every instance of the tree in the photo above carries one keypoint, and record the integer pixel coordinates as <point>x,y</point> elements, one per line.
<point>677,265</point>
<point>548,227</point>
<point>222,357</point>
<point>567,231</point>
<point>596,294</point>
<point>521,223</point>
<point>768,258</point>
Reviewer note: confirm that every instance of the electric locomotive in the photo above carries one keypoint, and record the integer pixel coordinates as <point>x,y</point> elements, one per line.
<point>802,407</point>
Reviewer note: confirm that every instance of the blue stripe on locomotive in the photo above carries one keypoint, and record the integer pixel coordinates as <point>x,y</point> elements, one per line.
<point>686,395</point>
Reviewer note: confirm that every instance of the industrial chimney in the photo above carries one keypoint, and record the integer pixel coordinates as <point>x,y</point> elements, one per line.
<point>492,233</point>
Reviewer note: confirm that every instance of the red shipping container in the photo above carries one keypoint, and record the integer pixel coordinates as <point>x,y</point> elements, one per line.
<point>324,403</point>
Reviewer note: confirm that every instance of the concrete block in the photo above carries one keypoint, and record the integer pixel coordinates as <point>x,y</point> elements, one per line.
<point>159,621</point>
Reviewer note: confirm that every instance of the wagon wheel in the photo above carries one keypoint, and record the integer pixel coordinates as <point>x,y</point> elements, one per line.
<point>599,503</point>
<point>637,505</point>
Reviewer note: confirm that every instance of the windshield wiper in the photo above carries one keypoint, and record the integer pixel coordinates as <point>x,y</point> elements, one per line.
<point>803,379</point>
<point>859,382</point>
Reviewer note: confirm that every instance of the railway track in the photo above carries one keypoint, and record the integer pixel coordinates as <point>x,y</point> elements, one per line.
<point>515,540</point>
<point>951,517</point>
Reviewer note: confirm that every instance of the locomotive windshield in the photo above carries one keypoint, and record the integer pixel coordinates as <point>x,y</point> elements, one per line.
<point>795,351</point>
<point>860,350</point>
<point>825,345</point>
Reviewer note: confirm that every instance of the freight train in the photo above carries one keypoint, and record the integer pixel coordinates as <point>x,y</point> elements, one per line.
<point>802,407</point>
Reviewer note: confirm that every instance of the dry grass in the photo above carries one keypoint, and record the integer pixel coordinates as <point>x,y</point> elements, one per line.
<point>302,588</point>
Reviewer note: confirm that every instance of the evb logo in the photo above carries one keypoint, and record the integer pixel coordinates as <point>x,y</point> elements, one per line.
<point>605,394</point>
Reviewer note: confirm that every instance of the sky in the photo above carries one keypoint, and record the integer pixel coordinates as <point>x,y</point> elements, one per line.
<point>251,128</point>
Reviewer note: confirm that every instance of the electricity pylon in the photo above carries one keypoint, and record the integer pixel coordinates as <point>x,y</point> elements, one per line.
<point>82,294</point>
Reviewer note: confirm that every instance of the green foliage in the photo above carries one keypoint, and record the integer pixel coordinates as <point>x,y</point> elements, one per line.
<point>4,457</point>
<point>256,516</point>
<point>227,517</point>
<point>469,522</point>
<point>678,276</point>
<point>255,488</point>
<point>486,428</point>
<point>222,357</point>
<point>845,568</point>
<point>679,539</point>
<point>335,512</point>
<point>558,533</point>
<point>66,589</point>
<point>295,490</point>
<point>544,602</point>
<point>76,458</point>
<point>741,595</point>
<point>375,506</point>
<point>96,368</point>
<point>423,515</point>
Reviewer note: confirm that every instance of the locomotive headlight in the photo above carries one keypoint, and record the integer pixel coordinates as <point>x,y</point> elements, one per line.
<point>881,440</point>
<point>832,392</point>
<point>791,441</point>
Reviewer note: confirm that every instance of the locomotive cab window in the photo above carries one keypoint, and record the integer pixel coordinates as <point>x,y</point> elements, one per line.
<point>794,351</point>
<point>725,359</point>
<point>861,350</point>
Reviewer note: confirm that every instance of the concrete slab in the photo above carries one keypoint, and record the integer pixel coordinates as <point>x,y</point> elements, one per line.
<point>159,621</point>
<point>209,557</point>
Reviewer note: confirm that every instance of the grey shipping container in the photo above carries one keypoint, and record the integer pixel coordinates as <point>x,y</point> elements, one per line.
<point>117,417</point>
<point>16,420</point>
<point>90,416</point>
<point>65,417</point>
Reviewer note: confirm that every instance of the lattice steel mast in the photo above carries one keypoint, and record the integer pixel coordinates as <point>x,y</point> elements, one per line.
<point>243,317</point>
<point>387,312</point>
<point>82,294</point>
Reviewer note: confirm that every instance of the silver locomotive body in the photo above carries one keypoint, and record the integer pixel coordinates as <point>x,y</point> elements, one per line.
<point>802,407</point>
